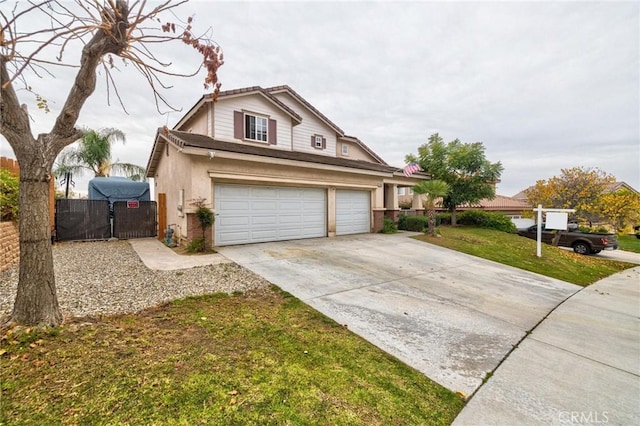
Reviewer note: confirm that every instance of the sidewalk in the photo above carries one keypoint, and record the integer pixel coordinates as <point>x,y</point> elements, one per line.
<point>581,365</point>
<point>156,255</point>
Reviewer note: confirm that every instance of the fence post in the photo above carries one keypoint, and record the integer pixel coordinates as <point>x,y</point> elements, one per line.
<point>162,215</point>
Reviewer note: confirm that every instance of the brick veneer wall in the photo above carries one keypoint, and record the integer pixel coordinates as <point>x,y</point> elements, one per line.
<point>195,231</point>
<point>9,244</point>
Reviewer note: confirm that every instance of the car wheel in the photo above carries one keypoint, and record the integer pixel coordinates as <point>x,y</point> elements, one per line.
<point>581,248</point>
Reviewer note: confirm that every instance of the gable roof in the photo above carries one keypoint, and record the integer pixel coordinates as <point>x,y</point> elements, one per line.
<point>296,96</point>
<point>193,140</point>
<point>364,147</point>
<point>239,92</point>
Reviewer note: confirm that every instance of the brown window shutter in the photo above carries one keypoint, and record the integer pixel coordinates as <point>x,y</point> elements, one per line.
<point>238,125</point>
<point>273,134</point>
<point>313,141</point>
<point>324,143</point>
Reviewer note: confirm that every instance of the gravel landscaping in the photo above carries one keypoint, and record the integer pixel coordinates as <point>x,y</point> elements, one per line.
<point>101,278</point>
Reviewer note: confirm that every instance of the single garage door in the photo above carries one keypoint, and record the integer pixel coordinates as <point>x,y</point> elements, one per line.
<point>254,214</point>
<point>353,212</point>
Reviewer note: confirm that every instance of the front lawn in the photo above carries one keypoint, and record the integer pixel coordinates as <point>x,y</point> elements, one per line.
<point>514,250</point>
<point>258,358</point>
<point>629,243</point>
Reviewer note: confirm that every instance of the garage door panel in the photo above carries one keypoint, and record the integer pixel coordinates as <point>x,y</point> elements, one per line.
<point>250,214</point>
<point>353,212</point>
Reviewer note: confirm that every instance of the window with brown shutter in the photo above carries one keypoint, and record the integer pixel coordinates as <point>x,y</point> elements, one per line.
<point>318,142</point>
<point>238,126</point>
<point>273,135</point>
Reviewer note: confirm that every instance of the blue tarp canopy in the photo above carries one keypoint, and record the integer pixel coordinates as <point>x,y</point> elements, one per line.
<point>118,189</point>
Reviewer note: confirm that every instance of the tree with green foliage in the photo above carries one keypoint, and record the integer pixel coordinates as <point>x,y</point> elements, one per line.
<point>9,192</point>
<point>206,219</point>
<point>93,152</point>
<point>431,190</point>
<point>463,166</point>
<point>577,188</point>
<point>105,33</point>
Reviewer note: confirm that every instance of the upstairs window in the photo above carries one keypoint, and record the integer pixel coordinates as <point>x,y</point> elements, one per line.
<point>255,128</point>
<point>318,142</point>
<point>345,149</point>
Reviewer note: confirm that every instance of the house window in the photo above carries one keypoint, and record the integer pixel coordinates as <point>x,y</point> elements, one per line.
<point>400,191</point>
<point>255,128</point>
<point>318,142</point>
<point>409,191</point>
<point>345,149</point>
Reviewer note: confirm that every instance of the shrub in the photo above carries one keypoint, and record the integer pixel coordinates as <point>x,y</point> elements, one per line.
<point>443,219</point>
<point>405,205</point>
<point>389,227</point>
<point>497,221</point>
<point>206,219</point>
<point>402,222</point>
<point>196,245</point>
<point>414,223</point>
<point>9,195</point>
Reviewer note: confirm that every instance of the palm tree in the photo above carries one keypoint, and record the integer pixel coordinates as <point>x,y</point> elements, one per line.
<point>431,189</point>
<point>94,153</point>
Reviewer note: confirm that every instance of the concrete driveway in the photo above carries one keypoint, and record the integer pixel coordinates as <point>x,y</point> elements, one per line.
<point>451,316</point>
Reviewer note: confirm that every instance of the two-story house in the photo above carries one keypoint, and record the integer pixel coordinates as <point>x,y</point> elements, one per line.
<point>273,168</point>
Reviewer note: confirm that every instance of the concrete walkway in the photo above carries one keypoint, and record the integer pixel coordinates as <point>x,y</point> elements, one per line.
<point>581,365</point>
<point>156,255</point>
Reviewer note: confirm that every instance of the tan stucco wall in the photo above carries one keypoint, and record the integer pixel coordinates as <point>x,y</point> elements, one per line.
<point>355,152</point>
<point>198,123</point>
<point>174,173</point>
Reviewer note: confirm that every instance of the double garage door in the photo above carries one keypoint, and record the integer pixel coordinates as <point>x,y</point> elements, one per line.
<point>254,214</point>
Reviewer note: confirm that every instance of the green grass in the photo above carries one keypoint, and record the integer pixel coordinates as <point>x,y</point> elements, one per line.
<point>629,243</point>
<point>261,358</point>
<point>520,252</point>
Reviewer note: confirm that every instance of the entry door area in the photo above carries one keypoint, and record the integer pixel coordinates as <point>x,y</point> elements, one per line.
<point>255,214</point>
<point>353,212</point>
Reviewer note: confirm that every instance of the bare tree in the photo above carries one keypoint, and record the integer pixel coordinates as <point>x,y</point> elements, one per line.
<point>105,28</point>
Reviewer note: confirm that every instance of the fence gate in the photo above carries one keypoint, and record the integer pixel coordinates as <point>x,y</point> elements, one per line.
<point>135,219</point>
<point>82,220</point>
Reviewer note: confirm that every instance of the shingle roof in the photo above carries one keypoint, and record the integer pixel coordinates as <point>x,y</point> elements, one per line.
<point>185,139</point>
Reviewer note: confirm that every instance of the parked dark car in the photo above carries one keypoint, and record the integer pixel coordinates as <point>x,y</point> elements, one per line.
<point>581,242</point>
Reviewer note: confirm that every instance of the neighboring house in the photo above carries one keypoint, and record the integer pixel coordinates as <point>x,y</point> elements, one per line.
<point>273,168</point>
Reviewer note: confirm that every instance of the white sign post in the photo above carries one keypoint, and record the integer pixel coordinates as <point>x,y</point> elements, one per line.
<point>556,219</point>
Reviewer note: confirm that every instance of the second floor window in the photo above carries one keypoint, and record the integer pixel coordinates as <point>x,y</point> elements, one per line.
<point>318,141</point>
<point>255,128</point>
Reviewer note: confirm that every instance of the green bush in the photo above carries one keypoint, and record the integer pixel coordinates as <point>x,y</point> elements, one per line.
<point>9,195</point>
<point>402,222</point>
<point>389,227</point>
<point>443,219</point>
<point>196,245</point>
<point>414,223</point>
<point>492,220</point>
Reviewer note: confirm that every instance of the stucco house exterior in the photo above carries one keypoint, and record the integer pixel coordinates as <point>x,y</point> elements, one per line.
<point>273,168</point>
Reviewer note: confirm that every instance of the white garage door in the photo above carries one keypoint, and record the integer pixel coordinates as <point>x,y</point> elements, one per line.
<point>254,214</point>
<point>353,212</point>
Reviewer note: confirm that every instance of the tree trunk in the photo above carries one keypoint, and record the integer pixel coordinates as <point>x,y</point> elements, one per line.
<point>36,301</point>
<point>454,221</point>
<point>432,222</point>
